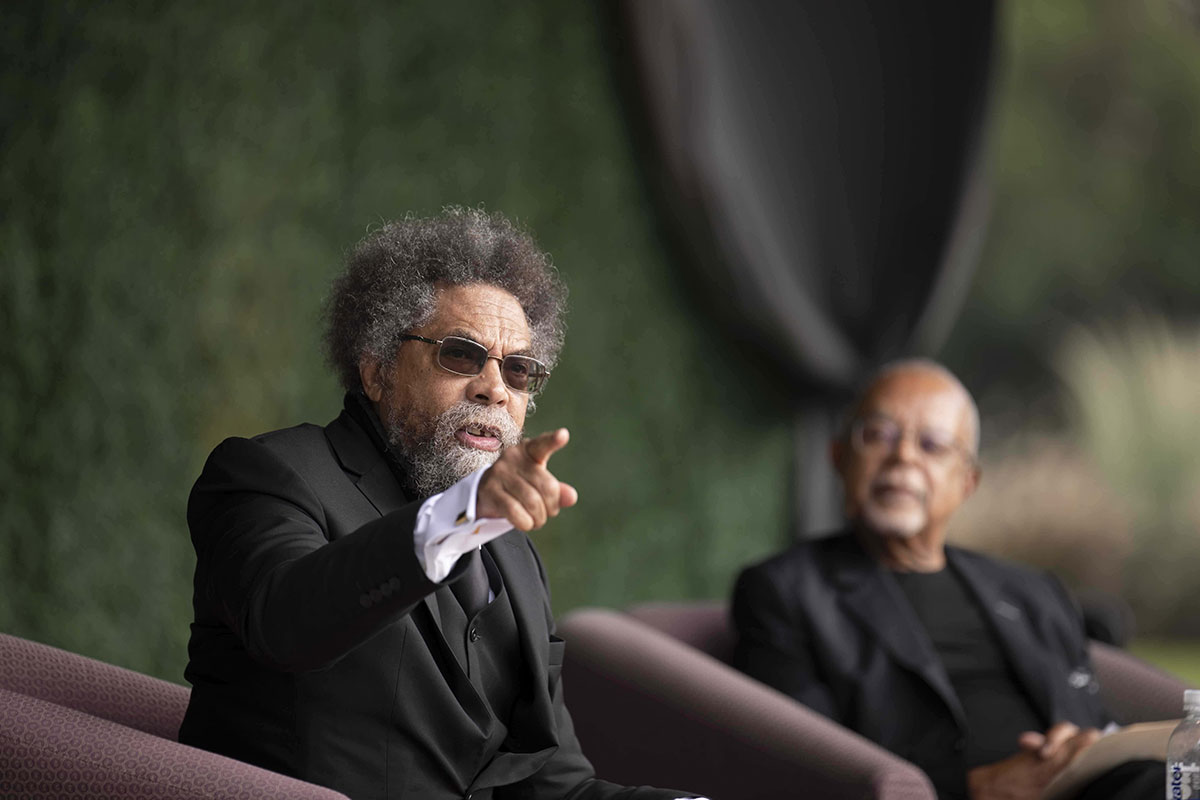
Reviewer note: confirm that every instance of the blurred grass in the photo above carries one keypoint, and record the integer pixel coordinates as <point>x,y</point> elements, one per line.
<point>1134,390</point>
<point>1180,657</point>
<point>1113,502</point>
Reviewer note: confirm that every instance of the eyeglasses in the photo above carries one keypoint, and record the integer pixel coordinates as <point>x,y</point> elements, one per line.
<point>465,357</point>
<point>880,435</point>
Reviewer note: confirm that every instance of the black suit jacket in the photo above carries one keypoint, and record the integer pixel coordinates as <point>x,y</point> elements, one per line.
<point>316,649</point>
<point>827,625</point>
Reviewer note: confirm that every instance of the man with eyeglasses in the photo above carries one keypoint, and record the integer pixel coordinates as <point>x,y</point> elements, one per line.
<point>975,670</point>
<point>366,616</point>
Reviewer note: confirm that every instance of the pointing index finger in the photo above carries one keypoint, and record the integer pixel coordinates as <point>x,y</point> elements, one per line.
<point>540,448</point>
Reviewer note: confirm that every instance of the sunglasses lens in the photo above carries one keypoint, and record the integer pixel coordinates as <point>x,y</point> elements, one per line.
<point>465,357</point>
<point>462,356</point>
<point>524,374</point>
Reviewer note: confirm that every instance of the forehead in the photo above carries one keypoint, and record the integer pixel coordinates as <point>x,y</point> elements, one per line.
<point>486,313</point>
<point>918,397</point>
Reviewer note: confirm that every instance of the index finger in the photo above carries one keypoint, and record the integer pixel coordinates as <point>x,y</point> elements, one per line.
<point>540,448</point>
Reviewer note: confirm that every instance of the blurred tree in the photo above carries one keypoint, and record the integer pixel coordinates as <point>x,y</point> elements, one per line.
<point>1097,188</point>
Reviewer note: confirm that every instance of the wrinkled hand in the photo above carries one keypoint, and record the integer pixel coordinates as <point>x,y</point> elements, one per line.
<point>519,487</point>
<point>1042,756</point>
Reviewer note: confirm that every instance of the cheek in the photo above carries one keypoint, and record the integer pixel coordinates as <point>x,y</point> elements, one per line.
<point>946,494</point>
<point>517,407</point>
<point>858,483</point>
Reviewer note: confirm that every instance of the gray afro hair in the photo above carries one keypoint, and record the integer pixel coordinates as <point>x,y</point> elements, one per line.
<point>389,284</point>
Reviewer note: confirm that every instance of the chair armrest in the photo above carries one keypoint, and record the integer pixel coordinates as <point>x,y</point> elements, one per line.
<point>94,687</point>
<point>48,750</point>
<point>1132,690</point>
<point>650,709</point>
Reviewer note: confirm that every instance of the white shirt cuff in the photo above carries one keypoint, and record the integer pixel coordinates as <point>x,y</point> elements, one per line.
<point>446,527</point>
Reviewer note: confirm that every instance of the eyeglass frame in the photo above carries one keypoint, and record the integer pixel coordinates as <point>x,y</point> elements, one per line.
<point>854,437</point>
<point>412,337</point>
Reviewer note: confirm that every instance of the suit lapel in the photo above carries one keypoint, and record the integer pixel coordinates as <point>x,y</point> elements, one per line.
<point>871,594</point>
<point>373,477</point>
<point>1014,633</point>
<point>359,456</point>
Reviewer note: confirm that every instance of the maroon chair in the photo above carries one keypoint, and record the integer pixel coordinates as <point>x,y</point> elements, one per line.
<point>77,727</point>
<point>653,708</point>
<point>1132,690</point>
<point>654,701</point>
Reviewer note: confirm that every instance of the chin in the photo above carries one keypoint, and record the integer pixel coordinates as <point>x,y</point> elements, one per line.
<point>468,459</point>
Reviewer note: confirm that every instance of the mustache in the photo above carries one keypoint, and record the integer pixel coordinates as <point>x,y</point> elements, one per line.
<point>903,480</point>
<point>463,414</point>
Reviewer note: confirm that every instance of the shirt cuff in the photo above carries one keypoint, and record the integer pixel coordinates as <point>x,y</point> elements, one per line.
<point>446,527</point>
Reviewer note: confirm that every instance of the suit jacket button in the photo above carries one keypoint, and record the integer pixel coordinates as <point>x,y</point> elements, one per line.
<point>474,634</point>
<point>376,595</point>
<point>365,600</point>
<point>394,583</point>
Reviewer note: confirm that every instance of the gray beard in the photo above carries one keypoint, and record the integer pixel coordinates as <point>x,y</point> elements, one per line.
<point>436,460</point>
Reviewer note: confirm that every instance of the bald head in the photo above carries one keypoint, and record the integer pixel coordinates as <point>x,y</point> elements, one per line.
<point>907,459</point>
<point>932,375</point>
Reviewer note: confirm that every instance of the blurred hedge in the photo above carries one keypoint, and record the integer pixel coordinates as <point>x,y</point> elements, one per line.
<point>178,184</point>
<point>1096,177</point>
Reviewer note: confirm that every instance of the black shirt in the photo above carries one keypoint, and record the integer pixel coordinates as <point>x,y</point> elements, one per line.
<point>996,706</point>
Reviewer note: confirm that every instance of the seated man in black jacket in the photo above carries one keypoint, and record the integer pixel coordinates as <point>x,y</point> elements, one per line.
<point>366,616</point>
<point>974,669</point>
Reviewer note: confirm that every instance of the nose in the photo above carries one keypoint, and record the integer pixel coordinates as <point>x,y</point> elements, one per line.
<point>487,388</point>
<point>906,448</point>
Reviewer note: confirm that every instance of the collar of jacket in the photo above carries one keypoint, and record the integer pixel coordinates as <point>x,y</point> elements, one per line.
<point>357,406</point>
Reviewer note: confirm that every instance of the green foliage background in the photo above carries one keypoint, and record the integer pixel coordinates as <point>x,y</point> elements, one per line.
<point>178,185</point>
<point>1095,145</point>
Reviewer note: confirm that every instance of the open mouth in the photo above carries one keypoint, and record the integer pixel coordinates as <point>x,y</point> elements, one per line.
<point>479,436</point>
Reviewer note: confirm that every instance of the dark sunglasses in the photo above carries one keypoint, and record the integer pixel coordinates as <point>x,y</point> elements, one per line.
<point>465,357</point>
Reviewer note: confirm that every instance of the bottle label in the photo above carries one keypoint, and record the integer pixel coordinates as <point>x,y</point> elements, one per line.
<point>1183,781</point>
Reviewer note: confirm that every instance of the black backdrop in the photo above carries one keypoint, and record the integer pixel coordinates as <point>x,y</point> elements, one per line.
<point>819,167</point>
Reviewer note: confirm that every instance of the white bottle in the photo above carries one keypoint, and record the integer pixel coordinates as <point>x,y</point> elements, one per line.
<point>1183,752</point>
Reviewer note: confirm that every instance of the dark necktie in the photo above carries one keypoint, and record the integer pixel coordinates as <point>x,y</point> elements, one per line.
<point>471,589</point>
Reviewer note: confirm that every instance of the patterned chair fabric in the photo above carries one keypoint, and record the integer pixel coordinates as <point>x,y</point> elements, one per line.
<point>1132,690</point>
<point>103,690</point>
<point>77,727</point>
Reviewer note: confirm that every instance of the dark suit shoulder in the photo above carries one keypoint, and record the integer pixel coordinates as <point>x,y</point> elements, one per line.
<point>298,445</point>
<point>793,583</point>
<point>302,456</point>
<point>267,462</point>
<point>997,563</point>
<point>1039,593</point>
<point>809,557</point>
<point>1004,571</point>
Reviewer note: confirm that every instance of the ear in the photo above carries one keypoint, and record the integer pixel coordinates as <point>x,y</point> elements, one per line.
<point>971,480</point>
<point>371,376</point>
